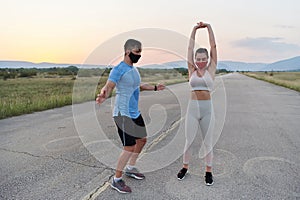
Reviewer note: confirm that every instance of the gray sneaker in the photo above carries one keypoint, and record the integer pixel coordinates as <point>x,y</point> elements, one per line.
<point>120,186</point>
<point>134,173</point>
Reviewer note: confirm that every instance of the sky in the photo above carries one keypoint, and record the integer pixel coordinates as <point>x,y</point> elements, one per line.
<point>70,31</point>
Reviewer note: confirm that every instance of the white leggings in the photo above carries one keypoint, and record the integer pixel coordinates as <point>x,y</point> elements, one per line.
<point>199,114</point>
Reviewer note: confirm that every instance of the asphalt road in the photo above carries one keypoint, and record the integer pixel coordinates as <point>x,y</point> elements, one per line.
<point>71,152</point>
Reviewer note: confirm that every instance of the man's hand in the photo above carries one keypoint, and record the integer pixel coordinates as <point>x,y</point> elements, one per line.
<point>160,87</point>
<point>101,97</point>
<point>105,92</point>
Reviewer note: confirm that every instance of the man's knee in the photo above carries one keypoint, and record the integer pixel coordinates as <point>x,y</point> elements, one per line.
<point>129,148</point>
<point>141,141</point>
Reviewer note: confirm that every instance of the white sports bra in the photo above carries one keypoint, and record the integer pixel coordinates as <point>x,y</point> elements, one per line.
<point>201,83</point>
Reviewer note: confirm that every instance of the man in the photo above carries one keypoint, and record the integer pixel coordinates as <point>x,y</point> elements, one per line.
<point>128,119</point>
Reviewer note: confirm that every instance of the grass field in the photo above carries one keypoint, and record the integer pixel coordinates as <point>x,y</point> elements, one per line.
<point>26,95</point>
<point>286,79</point>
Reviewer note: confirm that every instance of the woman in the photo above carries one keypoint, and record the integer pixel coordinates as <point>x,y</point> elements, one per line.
<point>200,110</point>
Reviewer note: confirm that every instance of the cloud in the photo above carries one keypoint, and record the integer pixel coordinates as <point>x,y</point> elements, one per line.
<point>284,26</point>
<point>265,49</point>
<point>271,44</point>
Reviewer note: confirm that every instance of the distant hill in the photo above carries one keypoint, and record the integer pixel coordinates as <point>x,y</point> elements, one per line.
<point>25,64</point>
<point>167,65</point>
<point>292,64</point>
<point>240,66</point>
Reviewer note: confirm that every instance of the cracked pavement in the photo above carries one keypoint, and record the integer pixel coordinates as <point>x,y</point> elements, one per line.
<point>44,156</point>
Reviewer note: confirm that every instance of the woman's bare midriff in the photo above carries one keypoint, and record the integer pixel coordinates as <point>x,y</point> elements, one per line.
<point>200,95</point>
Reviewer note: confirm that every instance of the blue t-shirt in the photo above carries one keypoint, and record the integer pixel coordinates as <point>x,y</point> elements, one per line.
<point>127,80</point>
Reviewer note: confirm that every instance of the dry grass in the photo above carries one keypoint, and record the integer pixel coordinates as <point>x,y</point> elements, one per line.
<point>26,95</point>
<point>286,79</point>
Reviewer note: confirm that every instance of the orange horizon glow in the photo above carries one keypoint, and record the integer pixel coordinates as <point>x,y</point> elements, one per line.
<point>68,32</point>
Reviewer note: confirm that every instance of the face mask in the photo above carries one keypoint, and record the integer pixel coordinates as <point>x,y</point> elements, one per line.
<point>134,58</point>
<point>201,65</point>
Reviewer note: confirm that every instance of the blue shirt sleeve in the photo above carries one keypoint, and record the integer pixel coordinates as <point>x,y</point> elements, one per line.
<point>115,75</point>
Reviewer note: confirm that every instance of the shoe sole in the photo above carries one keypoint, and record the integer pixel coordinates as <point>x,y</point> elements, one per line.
<point>134,176</point>
<point>209,184</point>
<point>120,191</point>
<point>183,176</point>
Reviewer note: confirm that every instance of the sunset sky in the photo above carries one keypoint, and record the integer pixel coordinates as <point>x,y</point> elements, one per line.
<point>65,31</point>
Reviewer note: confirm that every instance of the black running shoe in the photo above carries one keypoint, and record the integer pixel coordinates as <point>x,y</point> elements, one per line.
<point>181,174</point>
<point>209,179</point>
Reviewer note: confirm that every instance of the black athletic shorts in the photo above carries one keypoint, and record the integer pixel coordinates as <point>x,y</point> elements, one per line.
<point>130,129</point>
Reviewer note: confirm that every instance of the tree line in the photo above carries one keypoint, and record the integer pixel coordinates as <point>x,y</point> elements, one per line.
<point>12,73</point>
